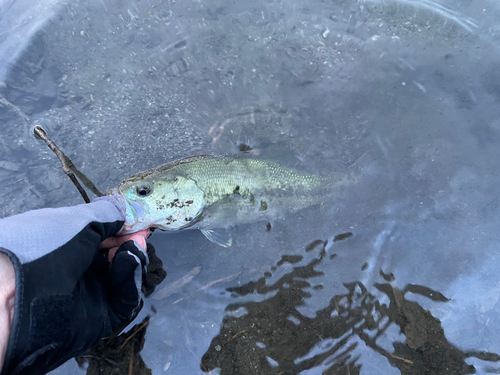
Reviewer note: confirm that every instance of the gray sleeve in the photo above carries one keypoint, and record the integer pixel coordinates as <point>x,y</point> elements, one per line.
<point>32,234</point>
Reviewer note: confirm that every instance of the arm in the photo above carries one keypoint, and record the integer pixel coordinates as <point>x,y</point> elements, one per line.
<point>7,290</point>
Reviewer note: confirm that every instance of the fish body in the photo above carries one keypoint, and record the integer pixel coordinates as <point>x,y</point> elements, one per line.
<point>207,192</point>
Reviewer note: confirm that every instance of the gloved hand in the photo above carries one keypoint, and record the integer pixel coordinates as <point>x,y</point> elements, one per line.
<point>68,294</point>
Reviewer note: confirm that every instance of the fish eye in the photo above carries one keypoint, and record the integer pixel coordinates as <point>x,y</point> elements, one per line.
<point>143,190</point>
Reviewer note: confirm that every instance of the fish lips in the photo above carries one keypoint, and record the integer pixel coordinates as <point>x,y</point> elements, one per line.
<point>134,218</point>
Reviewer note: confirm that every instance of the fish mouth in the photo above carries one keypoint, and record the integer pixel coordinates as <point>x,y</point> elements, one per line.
<point>133,214</point>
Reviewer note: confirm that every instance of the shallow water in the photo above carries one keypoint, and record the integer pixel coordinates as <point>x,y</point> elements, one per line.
<point>405,93</point>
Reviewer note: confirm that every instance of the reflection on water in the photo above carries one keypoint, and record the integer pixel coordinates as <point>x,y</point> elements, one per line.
<point>272,336</point>
<point>19,21</point>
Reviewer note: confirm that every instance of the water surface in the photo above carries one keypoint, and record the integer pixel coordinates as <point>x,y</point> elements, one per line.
<point>405,93</point>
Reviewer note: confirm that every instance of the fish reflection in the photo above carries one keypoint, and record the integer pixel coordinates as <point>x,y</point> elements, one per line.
<point>273,337</point>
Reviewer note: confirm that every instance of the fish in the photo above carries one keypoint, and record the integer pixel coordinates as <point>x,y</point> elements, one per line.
<point>212,193</point>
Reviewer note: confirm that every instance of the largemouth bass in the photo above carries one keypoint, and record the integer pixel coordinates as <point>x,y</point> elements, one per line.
<point>209,193</point>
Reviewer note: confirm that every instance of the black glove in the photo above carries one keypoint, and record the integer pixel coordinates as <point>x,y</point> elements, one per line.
<point>68,295</point>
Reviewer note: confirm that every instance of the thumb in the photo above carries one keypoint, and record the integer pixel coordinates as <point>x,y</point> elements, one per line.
<point>125,280</point>
<point>114,243</point>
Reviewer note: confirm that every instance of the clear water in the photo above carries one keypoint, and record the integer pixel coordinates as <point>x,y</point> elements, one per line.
<point>404,92</point>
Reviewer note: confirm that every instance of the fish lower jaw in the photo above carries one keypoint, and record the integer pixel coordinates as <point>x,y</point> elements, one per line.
<point>162,227</point>
<point>139,225</point>
<point>134,227</point>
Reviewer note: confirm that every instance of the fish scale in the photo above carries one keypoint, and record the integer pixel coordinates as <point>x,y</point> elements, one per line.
<point>220,177</point>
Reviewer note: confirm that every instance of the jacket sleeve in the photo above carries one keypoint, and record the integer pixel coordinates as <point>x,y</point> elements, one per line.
<point>33,234</point>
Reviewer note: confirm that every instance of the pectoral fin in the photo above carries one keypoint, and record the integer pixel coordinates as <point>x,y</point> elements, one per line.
<point>220,237</point>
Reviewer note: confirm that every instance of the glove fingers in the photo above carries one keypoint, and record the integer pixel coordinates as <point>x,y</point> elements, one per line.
<point>155,275</point>
<point>125,279</point>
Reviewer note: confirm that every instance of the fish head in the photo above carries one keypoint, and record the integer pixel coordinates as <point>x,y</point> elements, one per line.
<point>163,202</point>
